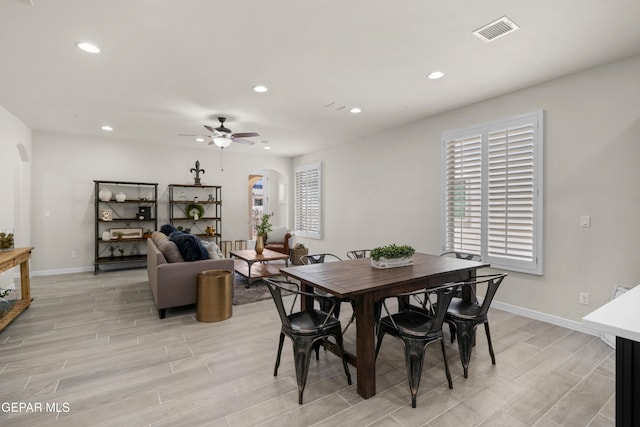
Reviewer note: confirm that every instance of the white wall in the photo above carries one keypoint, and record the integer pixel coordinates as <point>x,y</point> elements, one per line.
<point>15,182</point>
<point>64,167</point>
<point>387,188</point>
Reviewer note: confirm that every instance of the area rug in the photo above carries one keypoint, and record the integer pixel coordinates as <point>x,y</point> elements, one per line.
<point>258,291</point>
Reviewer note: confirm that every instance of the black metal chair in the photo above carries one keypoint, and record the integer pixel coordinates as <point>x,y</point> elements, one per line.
<point>463,318</point>
<point>359,253</point>
<point>327,299</point>
<point>417,329</point>
<point>307,330</point>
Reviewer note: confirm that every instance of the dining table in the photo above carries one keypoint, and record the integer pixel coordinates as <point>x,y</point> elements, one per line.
<point>358,281</point>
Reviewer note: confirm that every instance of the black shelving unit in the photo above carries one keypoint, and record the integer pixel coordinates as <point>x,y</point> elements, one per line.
<point>139,211</point>
<point>182,199</point>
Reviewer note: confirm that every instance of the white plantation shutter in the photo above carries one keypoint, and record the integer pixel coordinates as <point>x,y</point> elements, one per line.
<point>463,194</point>
<point>307,200</point>
<point>493,200</point>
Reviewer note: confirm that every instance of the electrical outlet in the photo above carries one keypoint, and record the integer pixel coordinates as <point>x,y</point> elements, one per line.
<point>584,298</point>
<point>74,254</point>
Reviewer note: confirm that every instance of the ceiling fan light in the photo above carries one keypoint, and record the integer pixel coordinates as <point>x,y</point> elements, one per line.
<point>221,141</point>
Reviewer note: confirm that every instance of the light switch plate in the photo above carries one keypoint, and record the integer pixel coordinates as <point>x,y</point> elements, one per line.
<point>585,221</point>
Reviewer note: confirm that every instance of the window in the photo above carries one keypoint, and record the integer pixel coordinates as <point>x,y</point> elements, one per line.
<point>493,192</point>
<point>307,204</point>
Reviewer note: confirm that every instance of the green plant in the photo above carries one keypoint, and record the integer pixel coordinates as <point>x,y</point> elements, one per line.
<point>263,226</point>
<point>392,251</point>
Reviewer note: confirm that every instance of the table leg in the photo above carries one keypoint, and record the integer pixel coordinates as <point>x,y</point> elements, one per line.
<point>249,263</point>
<point>25,285</point>
<point>365,345</point>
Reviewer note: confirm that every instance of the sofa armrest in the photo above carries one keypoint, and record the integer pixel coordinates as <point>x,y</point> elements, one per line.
<point>287,239</point>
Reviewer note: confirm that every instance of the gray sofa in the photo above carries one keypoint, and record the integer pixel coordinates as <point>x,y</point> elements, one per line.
<point>174,284</point>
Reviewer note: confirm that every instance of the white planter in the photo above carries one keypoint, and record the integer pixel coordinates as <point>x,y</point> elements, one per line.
<point>121,197</point>
<point>392,262</point>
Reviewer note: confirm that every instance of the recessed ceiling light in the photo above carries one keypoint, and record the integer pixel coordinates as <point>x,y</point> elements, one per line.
<point>200,139</point>
<point>356,110</point>
<point>436,75</point>
<point>107,128</point>
<point>267,148</point>
<point>260,88</point>
<point>88,47</point>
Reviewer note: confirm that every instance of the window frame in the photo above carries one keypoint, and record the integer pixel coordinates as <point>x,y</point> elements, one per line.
<point>533,264</point>
<point>308,227</point>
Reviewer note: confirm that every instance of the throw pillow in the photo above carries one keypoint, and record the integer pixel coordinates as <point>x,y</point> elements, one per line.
<point>167,229</point>
<point>276,235</point>
<point>212,248</point>
<point>169,250</point>
<point>190,246</point>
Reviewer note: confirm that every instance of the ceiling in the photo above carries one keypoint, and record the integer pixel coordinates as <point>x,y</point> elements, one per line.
<point>167,67</point>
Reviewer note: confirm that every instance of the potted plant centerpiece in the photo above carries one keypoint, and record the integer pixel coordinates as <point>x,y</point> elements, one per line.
<point>392,256</point>
<point>263,226</point>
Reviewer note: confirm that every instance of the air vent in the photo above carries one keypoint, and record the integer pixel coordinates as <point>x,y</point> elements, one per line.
<point>335,106</point>
<point>496,29</point>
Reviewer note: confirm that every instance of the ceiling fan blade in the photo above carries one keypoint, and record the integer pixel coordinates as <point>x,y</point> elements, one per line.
<point>210,129</point>
<point>243,141</point>
<point>244,134</point>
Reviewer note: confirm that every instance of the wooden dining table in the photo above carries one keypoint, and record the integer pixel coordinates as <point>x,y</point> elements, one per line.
<point>358,281</point>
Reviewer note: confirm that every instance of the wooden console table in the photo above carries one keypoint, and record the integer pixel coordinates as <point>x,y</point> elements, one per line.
<point>10,259</point>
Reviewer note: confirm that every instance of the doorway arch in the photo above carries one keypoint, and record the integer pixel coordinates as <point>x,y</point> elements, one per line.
<point>268,191</point>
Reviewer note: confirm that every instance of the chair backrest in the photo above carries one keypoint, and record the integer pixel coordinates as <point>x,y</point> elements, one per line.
<point>359,253</point>
<point>463,255</point>
<point>444,295</point>
<point>319,258</point>
<point>493,282</point>
<point>275,288</point>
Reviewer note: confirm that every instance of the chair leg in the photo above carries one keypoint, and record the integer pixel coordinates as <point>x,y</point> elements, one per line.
<point>340,344</point>
<point>414,358</point>
<point>452,332</point>
<point>301,355</point>
<point>486,329</point>
<point>379,343</point>
<point>275,369</point>
<point>465,344</point>
<point>446,365</point>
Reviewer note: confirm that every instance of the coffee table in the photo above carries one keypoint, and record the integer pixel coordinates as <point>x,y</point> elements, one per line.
<point>248,257</point>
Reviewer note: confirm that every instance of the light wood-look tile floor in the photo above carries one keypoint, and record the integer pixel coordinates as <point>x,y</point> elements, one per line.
<point>91,351</point>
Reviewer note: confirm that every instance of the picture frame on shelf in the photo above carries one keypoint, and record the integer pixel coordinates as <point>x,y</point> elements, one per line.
<point>106,215</point>
<point>125,233</point>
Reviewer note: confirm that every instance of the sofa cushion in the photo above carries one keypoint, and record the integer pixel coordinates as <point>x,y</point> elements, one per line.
<point>213,250</point>
<point>190,246</point>
<point>169,250</point>
<point>156,236</point>
<point>276,235</point>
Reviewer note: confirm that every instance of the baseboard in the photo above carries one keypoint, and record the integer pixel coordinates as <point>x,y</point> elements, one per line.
<point>532,314</point>
<point>60,271</point>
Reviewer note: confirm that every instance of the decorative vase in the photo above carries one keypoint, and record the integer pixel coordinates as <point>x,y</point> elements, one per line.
<point>121,197</point>
<point>105,195</point>
<point>106,235</point>
<point>260,243</point>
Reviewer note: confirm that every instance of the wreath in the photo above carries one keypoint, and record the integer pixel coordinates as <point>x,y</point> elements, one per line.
<point>196,206</point>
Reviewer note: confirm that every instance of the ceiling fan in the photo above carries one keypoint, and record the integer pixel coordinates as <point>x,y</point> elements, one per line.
<point>223,137</point>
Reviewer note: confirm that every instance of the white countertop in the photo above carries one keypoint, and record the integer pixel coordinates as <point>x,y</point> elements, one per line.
<point>619,317</point>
